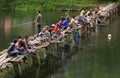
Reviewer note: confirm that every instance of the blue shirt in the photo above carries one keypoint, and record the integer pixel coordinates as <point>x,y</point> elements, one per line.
<point>66,23</point>
<point>11,47</point>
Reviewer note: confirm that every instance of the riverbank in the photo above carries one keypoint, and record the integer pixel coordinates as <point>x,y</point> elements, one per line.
<point>51,5</point>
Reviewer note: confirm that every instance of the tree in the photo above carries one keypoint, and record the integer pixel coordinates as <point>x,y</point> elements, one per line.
<point>9,4</point>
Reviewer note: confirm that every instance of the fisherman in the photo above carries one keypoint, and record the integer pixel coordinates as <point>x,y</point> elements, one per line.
<point>82,13</point>
<point>22,49</point>
<point>89,12</point>
<point>60,23</point>
<point>82,20</point>
<point>66,23</point>
<point>25,40</point>
<point>17,47</point>
<point>39,21</point>
<point>56,28</point>
<point>73,22</point>
<point>12,51</point>
<point>42,33</point>
<point>67,16</point>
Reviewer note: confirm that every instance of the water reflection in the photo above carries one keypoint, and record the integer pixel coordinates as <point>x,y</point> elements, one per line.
<point>76,38</point>
<point>8,25</point>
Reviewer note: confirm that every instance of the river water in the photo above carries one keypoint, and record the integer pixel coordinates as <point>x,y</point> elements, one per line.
<point>96,57</point>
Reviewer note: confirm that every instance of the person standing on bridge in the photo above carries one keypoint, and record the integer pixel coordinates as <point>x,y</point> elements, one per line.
<point>39,21</point>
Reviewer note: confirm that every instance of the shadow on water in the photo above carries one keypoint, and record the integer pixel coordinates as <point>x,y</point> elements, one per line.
<point>52,65</point>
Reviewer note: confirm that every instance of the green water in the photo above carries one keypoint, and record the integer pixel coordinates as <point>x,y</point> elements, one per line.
<point>99,58</point>
<point>94,58</point>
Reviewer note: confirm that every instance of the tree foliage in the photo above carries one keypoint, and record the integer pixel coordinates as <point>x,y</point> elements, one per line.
<point>48,4</point>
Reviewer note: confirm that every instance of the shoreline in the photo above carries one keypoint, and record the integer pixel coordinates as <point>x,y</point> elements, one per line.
<point>55,7</point>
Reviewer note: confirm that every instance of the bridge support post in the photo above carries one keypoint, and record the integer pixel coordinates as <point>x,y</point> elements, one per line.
<point>116,10</point>
<point>17,69</point>
<point>0,73</point>
<point>50,50</point>
<point>96,26</point>
<point>36,59</point>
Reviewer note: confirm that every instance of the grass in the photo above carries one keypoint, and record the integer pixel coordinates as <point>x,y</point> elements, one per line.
<point>54,4</point>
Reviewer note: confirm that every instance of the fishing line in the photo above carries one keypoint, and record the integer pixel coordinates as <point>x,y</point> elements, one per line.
<point>23,24</point>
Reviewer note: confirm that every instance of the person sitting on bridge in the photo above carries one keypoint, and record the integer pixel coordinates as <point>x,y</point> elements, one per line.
<point>22,49</point>
<point>73,22</point>
<point>42,33</point>
<point>82,20</point>
<point>47,32</point>
<point>89,12</point>
<point>60,23</point>
<point>66,23</point>
<point>82,13</point>
<point>12,51</point>
<point>56,28</point>
<point>25,40</point>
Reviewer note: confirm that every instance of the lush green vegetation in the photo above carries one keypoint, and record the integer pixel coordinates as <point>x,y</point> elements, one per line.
<point>50,4</point>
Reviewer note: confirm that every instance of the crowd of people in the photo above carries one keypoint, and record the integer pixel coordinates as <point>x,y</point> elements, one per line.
<point>68,23</point>
<point>20,46</point>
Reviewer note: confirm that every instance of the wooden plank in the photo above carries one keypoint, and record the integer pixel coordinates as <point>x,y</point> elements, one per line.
<point>31,50</point>
<point>44,38</point>
<point>3,66</point>
<point>20,57</point>
<point>6,65</point>
<point>57,41</point>
<point>12,60</point>
<point>3,57</point>
<point>4,51</point>
<point>5,60</point>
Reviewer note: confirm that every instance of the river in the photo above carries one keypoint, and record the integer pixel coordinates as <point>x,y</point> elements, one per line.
<point>97,57</point>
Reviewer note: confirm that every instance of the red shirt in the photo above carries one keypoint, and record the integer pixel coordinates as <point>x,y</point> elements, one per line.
<point>56,28</point>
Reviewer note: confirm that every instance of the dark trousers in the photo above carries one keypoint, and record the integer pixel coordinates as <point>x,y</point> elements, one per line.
<point>39,28</point>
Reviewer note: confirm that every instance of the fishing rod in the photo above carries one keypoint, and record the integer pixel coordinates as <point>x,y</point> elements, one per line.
<point>24,23</point>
